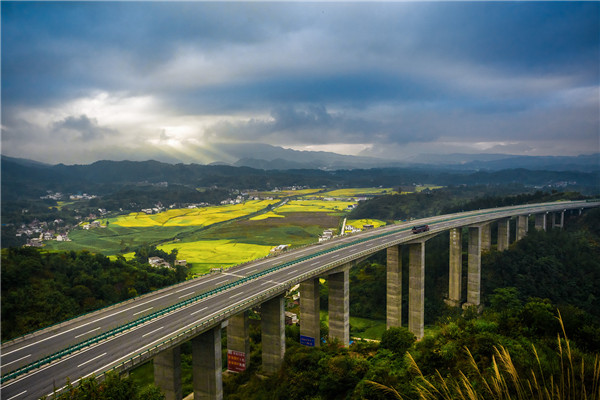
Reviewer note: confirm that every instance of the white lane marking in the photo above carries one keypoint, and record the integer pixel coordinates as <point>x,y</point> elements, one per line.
<point>235,295</point>
<point>157,329</point>
<point>265,283</point>
<point>17,395</point>
<point>292,272</point>
<point>232,274</point>
<point>196,312</point>
<point>95,329</point>
<point>90,360</point>
<point>147,309</point>
<point>22,358</point>
<point>186,295</point>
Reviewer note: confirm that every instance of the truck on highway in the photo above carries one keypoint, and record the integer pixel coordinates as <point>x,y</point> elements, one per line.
<point>420,228</point>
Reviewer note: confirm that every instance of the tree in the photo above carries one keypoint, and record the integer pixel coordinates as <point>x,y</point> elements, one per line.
<point>397,340</point>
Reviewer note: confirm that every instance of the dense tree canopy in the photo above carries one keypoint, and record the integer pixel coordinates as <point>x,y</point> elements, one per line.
<point>41,288</point>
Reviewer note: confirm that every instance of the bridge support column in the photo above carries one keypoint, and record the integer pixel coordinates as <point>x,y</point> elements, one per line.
<point>522,221</point>
<point>339,306</point>
<point>560,224</point>
<point>540,222</point>
<point>238,343</point>
<point>394,287</point>
<point>207,365</point>
<point>310,324</point>
<point>562,220</point>
<point>486,237</point>
<point>474,264</point>
<point>273,334</point>
<point>503,234</point>
<point>416,289</point>
<point>455,275</point>
<point>167,373</point>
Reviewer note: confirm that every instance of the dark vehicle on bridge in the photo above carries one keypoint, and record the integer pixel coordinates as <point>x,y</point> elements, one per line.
<point>420,228</point>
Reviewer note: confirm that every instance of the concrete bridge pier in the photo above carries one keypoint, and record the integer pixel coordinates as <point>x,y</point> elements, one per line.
<point>540,222</point>
<point>207,365</point>
<point>310,324</point>
<point>394,287</point>
<point>238,343</point>
<point>455,273</point>
<point>416,288</point>
<point>560,224</point>
<point>339,305</point>
<point>273,333</point>
<point>167,372</point>
<point>522,222</point>
<point>474,268</point>
<point>486,237</point>
<point>503,234</point>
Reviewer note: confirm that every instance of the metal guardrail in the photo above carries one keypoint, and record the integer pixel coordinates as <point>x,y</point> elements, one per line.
<point>315,272</point>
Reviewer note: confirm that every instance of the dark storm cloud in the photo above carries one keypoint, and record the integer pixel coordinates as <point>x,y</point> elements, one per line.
<point>309,73</point>
<point>84,128</point>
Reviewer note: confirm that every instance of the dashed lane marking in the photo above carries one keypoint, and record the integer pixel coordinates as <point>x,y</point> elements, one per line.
<point>92,359</point>
<point>95,329</point>
<point>151,332</point>
<point>147,309</point>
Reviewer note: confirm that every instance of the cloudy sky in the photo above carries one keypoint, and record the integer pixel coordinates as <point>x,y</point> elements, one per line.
<point>171,81</point>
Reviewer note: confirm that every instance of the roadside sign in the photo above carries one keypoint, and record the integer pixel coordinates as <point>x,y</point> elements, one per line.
<point>236,361</point>
<point>307,341</point>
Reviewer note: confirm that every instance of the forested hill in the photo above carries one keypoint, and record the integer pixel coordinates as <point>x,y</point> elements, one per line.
<point>19,178</point>
<point>452,199</point>
<point>40,288</point>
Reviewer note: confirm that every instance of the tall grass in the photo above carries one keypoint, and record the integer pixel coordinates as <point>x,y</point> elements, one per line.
<point>503,381</point>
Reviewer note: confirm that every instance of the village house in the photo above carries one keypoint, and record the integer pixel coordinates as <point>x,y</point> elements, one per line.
<point>291,318</point>
<point>280,248</point>
<point>158,262</point>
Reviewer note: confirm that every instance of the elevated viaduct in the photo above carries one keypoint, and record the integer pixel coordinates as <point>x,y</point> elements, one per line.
<point>153,326</point>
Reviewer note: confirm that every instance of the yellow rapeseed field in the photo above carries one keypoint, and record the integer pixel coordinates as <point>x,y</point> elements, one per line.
<point>217,252</point>
<point>192,216</point>
<point>358,223</point>
<point>314,206</point>
<point>266,215</point>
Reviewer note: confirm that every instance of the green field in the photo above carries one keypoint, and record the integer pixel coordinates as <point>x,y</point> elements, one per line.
<point>115,239</point>
<point>363,328</point>
<point>285,193</point>
<point>218,236</point>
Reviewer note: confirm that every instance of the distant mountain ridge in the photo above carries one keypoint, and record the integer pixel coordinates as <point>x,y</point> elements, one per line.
<point>269,157</point>
<point>34,179</point>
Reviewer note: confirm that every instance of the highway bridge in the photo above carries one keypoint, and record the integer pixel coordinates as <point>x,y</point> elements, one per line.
<point>153,326</point>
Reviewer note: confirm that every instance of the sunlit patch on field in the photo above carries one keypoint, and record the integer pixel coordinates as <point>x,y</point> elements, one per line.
<point>314,206</point>
<point>266,215</point>
<point>192,216</point>
<point>360,223</point>
<point>215,253</point>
